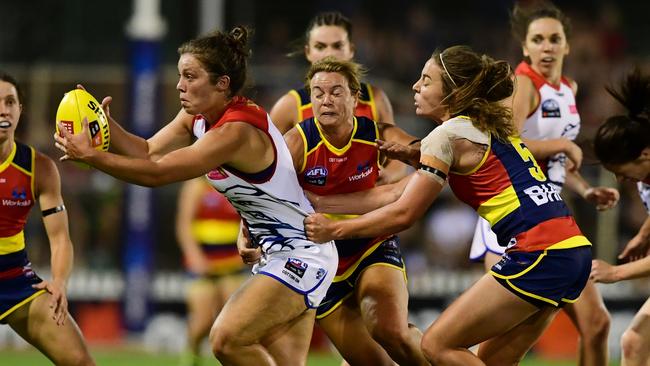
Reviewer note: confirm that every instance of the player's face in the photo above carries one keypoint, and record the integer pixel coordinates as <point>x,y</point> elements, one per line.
<point>636,170</point>
<point>546,45</point>
<point>198,94</point>
<point>328,40</point>
<point>332,101</point>
<point>429,95</point>
<point>10,109</point>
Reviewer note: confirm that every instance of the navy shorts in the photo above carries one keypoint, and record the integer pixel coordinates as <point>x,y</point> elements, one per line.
<point>385,253</point>
<point>16,280</point>
<point>545,278</point>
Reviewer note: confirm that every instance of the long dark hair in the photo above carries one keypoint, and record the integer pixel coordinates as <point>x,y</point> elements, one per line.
<point>522,15</point>
<point>622,138</point>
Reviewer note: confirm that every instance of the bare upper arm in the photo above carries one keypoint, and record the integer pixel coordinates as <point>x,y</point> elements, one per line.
<point>525,100</point>
<point>48,182</point>
<point>384,108</point>
<point>189,198</point>
<point>284,113</point>
<point>296,145</point>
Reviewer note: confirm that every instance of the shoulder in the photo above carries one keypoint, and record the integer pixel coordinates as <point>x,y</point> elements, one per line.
<point>284,113</point>
<point>571,83</point>
<point>46,172</point>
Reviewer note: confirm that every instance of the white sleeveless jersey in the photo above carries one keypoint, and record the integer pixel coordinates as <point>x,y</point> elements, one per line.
<point>556,116</point>
<point>272,203</point>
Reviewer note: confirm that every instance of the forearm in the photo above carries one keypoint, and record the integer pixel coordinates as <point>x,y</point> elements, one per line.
<point>61,261</point>
<point>390,219</point>
<point>361,202</point>
<point>543,149</point>
<point>126,143</point>
<point>644,231</point>
<point>636,269</point>
<point>576,183</point>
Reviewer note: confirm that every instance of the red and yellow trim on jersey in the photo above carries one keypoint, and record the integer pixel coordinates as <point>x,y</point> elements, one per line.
<point>12,244</point>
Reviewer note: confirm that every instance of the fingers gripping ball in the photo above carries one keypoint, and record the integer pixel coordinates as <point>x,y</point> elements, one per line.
<point>77,104</point>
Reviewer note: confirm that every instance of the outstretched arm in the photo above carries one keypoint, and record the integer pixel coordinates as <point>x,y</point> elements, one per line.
<point>218,146</point>
<point>189,199</point>
<point>359,202</point>
<point>418,195</point>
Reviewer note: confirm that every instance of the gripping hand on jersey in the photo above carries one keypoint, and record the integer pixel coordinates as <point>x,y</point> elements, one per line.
<point>248,253</point>
<point>395,151</point>
<point>318,228</point>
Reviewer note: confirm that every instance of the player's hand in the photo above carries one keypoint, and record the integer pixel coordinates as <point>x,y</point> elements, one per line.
<point>603,197</point>
<point>105,102</point>
<point>197,263</point>
<point>318,228</point>
<point>75,147</point>
<point>395,151</point>
<point>249,254</point>
<point>574,153</point>
<point>603,272</point>
<point>58,301</point>
<point>637,248</point>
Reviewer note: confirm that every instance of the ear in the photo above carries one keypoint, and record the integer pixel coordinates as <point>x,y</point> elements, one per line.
<point>524,49</point>
<point>568,48</point>
<point>223,83</point>
<point>353,49</point>
<point>307,53</point>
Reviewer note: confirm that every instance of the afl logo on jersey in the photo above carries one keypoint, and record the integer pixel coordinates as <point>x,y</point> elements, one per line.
<point>316,176</point>
<point>550,109</point>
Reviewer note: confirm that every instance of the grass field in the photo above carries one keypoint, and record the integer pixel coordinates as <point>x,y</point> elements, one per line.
<point>121,357</point>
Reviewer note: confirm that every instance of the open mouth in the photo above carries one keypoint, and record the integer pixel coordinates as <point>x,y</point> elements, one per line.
<point>5,124</point>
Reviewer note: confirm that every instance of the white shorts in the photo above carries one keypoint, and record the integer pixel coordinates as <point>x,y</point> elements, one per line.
<point>307,271</point>
<point>485,240</point>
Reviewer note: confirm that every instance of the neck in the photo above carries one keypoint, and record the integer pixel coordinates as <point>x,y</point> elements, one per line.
<point>339,134</point>
<point>5,149</point>
<point>215,113</point>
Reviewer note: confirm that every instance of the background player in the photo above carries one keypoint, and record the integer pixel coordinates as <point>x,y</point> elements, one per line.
<point>622,144</point>
<point>207,227</point>
<point>330,34</point>
<point>36,309</point>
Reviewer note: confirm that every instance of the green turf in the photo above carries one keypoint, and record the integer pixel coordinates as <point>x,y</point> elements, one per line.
<point>121,357</point>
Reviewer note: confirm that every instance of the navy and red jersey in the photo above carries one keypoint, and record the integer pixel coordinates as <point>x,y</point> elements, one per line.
<point>366,107</point>
<point>17,195</point>
<point>330,170</point>
<point>512,193</point>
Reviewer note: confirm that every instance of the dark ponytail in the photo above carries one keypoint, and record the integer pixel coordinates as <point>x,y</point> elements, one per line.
<point>622,138</point>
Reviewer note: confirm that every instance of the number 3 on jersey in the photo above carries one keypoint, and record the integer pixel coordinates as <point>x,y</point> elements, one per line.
<point>527,156</point>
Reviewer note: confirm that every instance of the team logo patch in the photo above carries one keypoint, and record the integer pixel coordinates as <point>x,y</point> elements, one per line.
<point>19,193</point>
<point>316,176</point>
<point>296,266</point>
<point>320,273</point>
<point>217,174</point>
<point>550,109</point>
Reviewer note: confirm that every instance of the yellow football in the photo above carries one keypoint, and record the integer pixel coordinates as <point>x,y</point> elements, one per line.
<point>77,104</point>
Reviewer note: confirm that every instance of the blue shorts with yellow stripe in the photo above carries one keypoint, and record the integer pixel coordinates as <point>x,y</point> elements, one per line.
<point>552,277</point>
<point>16,280</point>
<point>384,253</point>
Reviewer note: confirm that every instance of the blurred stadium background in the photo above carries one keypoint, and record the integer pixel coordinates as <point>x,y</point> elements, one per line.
<point>127,288</point>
